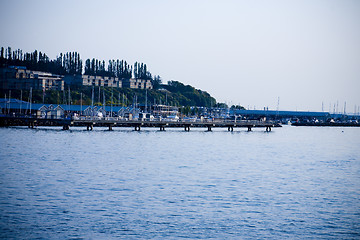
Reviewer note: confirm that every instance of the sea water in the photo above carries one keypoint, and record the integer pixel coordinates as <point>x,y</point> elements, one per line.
<point>290,183</point>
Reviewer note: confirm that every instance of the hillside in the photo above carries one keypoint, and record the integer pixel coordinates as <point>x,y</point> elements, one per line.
<point>175,93</point>
<point>69,63</point>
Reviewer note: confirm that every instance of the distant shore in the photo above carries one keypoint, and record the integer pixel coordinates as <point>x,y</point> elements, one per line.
<point>327,124</point>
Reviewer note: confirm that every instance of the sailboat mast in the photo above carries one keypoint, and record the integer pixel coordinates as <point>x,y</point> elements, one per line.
<point>9,100</point>
<point>104,100</point>
<point>99,100</point>
<point>92,98</point>
<point>69,100</point>
<point>111,101</point>
<point>80,104</point>
<point>146,100</point>
<point>20,100</point>
<point>30,99</point>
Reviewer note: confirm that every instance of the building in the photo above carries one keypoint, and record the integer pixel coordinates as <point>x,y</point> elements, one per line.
<point>88,80</point>
<point>49,111</point>
<point>15,77</point>
<point>137,83</point>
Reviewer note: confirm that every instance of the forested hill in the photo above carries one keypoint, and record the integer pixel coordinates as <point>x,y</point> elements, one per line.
<point>175,94</point>
<point>188,95</point>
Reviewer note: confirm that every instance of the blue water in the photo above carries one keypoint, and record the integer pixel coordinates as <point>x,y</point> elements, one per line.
<point>291,183</point>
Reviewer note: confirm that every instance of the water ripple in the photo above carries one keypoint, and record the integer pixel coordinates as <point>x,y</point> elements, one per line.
<point>293,183</point>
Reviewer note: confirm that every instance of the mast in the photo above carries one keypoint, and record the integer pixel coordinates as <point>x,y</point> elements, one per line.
<point>80,104</point>
<point>30,99</point>
<point>111,101</point>
<point>69,98</point>
<point>20,100</point>
<point>146,100</point>
<point>104,101</point>
<point>64,100</point>
<point>5,104</point>
<point>134,99</point>
<point>99,100</point>
<point>9,100</point>
<point>27,105</point>
<point>92,101</point>
<point>92,97</point>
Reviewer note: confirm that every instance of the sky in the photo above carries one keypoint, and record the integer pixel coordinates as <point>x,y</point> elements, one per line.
<point>292,55</point>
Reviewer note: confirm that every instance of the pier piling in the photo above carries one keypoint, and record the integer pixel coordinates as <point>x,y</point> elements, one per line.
<point>89,127</point>
<point>31,124</point>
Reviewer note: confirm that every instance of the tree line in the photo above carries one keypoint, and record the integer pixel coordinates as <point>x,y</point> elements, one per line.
<point>71,63</point>
<point>68,63</point>
<point>115,68</point>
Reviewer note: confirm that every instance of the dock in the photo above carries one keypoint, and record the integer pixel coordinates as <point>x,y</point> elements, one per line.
<point>137,125</point>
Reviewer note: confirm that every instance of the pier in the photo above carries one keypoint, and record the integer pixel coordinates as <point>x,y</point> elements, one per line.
<point>137,125</point>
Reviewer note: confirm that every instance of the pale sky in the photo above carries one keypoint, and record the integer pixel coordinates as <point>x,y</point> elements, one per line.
<point>242,52</point>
